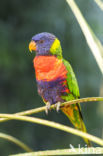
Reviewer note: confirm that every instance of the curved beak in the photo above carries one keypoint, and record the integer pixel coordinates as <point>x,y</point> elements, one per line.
<point>32,46</point>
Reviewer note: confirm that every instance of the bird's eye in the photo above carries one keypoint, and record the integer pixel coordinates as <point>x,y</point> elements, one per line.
<point>41,41</point>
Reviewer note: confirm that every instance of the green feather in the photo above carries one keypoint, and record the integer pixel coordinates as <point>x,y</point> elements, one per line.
<point>71,80</point>
<point>76,117</point>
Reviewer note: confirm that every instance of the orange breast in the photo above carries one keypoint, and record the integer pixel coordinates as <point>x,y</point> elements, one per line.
<point>49,68</point>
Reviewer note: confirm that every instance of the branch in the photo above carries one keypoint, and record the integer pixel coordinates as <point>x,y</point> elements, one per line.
<point>54,125</point>
<point>41,109</point>
<point>16,141</point>
<point>99,3</point>
<point>92,41</point>
<point>72,151</point>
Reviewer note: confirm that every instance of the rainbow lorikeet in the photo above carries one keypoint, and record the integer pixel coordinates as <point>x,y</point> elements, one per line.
<point>55,78</point>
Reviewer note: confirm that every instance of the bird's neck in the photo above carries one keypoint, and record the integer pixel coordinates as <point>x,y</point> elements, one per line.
<point>49,68</point>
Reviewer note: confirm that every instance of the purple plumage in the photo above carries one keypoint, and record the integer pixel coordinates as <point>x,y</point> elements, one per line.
<point>52,90</point>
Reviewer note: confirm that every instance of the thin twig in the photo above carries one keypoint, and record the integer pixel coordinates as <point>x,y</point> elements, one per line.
<point>69,151</point>
<point>16,141</point>
<point>54,125</point>
<point>41,109</point>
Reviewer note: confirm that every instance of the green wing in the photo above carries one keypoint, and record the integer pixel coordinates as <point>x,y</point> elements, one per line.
<point>72,82</point>
<point>73,112</point>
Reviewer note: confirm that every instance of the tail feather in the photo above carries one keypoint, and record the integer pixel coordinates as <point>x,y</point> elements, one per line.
<point>73,112</point>
<point>83,128</point>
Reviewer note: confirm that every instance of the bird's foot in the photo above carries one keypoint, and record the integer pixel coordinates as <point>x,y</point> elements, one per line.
<point>57,106</point>
<point>47,107</point>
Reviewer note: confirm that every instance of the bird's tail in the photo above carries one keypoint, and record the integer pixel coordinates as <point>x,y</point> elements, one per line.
<point>73,112</point>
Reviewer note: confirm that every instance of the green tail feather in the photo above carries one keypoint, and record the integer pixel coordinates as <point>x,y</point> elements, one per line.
<point>83,128</point>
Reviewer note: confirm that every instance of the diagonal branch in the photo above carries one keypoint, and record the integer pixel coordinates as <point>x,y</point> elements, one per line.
<point>16,141</point>
<point>99,3</point>
<point>92,41</point>
<point>54,125</point>
<point>41,109</point>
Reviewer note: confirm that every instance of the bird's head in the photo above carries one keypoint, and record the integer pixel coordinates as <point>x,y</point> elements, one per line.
<point>45,44</point>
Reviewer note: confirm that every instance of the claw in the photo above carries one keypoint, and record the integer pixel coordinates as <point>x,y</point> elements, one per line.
<point>57,105</point>
<point>47,107</point>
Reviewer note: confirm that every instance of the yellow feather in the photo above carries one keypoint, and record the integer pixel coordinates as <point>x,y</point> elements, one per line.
<point>55,45</point>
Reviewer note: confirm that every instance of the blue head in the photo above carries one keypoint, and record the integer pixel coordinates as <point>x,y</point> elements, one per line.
<point>45,44</point>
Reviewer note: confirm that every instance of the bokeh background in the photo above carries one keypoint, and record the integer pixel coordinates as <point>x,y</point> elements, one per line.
<point>19,21</point>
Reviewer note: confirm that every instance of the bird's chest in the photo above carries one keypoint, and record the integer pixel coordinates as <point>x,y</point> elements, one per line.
<point>52,91</point>
<point>49,68</point>
<point>51,77</point>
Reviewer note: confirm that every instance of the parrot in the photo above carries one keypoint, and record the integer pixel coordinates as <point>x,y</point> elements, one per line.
<point>56,81</point>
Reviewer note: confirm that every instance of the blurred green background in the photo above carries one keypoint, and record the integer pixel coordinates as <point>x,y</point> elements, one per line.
<point>19,21</point>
